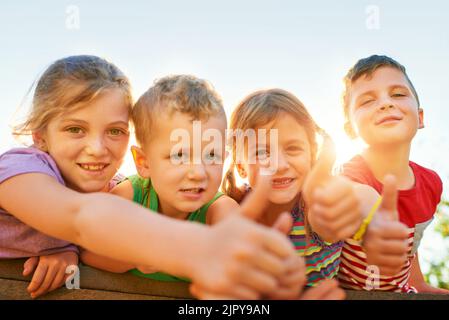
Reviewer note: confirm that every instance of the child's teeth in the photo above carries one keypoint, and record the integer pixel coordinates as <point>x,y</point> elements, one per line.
<point>92,167</point>
<point>285,181</point>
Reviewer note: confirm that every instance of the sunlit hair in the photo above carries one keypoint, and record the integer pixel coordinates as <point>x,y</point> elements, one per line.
<point>176,93</point>
<point>67,85</point>
<point>259,109</point>
<point>366,67</point>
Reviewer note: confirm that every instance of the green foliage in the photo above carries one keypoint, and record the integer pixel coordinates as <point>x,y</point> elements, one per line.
<point>438,274</point>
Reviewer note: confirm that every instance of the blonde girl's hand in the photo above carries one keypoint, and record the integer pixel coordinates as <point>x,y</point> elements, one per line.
<point>290,285</point>
<point>245,260</point>
<point>326,290</point>
<point>292,282</point>
<point>334,210</point>
<point>49,271</point>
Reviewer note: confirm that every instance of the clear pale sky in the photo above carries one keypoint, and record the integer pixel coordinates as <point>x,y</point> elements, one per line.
<point>303,46</point>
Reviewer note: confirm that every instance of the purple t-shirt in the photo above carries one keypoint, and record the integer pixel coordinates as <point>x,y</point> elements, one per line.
<point>18,240</point>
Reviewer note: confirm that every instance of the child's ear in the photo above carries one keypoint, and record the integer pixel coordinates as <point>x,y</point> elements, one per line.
<point>40,141</point>
<point>421,118</point>
<point>241,170</point>
<point>141,162</point>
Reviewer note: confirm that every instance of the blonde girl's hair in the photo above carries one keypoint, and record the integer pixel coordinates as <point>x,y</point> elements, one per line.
<point>66,85</point>
<point>257,110</point>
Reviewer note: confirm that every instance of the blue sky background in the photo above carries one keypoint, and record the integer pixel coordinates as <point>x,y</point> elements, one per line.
<point>240,46</point>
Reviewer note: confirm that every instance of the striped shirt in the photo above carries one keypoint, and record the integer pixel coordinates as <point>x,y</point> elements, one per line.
<point>416,208</point>
<point>322,260</point>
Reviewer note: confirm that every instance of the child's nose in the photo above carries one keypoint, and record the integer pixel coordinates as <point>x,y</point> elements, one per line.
<point>197,172</point>
<point>96,146</point>
<point>282,163</point>
<point>386,106</point>
<point>386,103</point>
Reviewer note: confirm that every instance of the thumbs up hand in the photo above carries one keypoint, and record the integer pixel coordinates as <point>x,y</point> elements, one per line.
<point>334,211</point>
<point>293,280</point>
<point>385,241</point>
<point>249,260</point>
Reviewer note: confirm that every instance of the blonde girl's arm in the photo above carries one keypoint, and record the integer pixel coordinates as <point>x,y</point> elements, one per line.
<point>235,257</point>
<point>101,223</point>
<point>98,261</point>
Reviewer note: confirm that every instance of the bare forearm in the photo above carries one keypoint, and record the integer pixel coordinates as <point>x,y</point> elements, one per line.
<point>104,263</point>
<point>122,230</point>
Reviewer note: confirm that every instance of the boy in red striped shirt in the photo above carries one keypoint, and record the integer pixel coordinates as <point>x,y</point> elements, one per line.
<point>381,106</point>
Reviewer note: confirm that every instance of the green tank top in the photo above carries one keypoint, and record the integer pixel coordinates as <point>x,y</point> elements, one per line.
<point>145,195</point>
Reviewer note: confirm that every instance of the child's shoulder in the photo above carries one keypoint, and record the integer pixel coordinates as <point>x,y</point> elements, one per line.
<point>424,172</point>
<point>427,178</point>
<point>358,170</point>
<point>26,152</point>
<point>124,189</point>
<point>27,160</point>
<point>221,207</point>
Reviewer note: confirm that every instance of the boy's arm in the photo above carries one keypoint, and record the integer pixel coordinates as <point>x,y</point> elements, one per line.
<point>221,208</point>
<point>417,280</point>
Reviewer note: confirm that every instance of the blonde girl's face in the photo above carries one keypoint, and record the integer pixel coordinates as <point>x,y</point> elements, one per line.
<point>89,144</point>
<point>291,164</point>
<point>185,173</point>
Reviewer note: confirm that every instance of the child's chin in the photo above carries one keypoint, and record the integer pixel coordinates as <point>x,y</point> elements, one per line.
<point>88,187</point>
<point>281,199</point>
<point>189,207</point>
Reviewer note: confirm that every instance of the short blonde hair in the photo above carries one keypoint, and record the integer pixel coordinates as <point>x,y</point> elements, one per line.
<point>176,93</point>
<point>66,85</point>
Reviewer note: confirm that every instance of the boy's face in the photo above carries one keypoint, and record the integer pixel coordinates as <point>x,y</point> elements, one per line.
<point>383,110</point>
<point>291,165</point>
<point>185,172</point>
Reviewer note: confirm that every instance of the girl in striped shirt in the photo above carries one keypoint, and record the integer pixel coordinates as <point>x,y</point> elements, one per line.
<point>286,145</point>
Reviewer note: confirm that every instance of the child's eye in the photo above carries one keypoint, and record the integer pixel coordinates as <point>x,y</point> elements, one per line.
<point>365,102</point>
<point>116,132</point>
<point>294,149</point>
<point>177,156</point>
<point>213,155</point>
<point>74,130</point>
<point>262,153</point>
<point>398,95</point>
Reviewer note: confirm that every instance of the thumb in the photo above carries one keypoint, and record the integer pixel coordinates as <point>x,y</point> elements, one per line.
<point>283,223</point>
<point>321,170</point>
<point>30,265</point>
<point>390,198</point>
<point>255,203</point>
